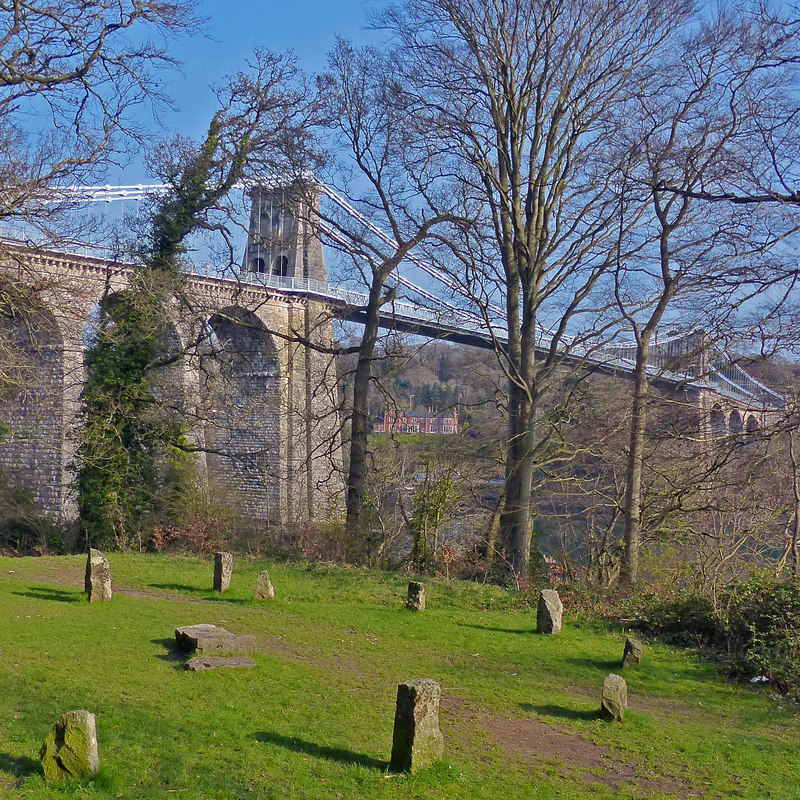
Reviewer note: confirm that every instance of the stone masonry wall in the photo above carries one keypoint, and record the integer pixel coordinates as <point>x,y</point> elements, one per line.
<point>243,390</point>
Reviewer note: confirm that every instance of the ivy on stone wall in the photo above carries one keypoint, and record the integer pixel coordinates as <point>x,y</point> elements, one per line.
<point>135,469</point>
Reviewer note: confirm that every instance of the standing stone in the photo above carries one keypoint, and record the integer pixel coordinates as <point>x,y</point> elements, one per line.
<point>614,702</point>
<point>549,611</point>
<point>416,596</point>
<point>632,654</point>
<point>70,749</point>
<point>223,569</point>
<point>264,588</point>
<point>98,577</point>
<point>417,740</point>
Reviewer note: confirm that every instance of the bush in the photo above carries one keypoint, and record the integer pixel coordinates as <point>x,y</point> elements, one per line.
<point>755,627</point>
<point>23,530</point>
<point>686,619</point>
<point>764,632</point>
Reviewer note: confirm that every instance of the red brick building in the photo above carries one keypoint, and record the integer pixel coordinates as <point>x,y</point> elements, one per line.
<point>399,421</point>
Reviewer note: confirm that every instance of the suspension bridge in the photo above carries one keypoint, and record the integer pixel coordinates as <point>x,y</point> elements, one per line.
<point>682,357</point>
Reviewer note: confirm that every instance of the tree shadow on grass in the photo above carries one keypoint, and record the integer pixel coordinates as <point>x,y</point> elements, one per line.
<point>560,712</point>
<point>58,595</point>
<point>320,751</point>
<point>526,631</point>
<point>19,766</point>
<point>201,594</point>
<point>605,664</point>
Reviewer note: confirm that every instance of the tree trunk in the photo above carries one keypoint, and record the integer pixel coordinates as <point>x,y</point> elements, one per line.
<point>633,489</point>
<point>491,533</point>
<point>359,426</point>
<point>795,507</point>
<point>515,521</point>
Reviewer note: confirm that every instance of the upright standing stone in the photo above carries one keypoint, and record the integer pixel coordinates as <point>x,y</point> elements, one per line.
<point>70,749</point>
<point>614,702</point>
<point>417,740</point>
<point>223,569</point>
<point>264,588</point>
<point>98,577</point>
<point>416,596</point>
<point>632,654</point>
<point>548,612</point>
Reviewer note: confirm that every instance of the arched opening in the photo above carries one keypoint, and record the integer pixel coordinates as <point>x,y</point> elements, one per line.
<point>719,425</point>
<point>242,409</point>
<point>258,265</point>
<point>752,424</point>
<point>280,266</point>
<point>735,423</point>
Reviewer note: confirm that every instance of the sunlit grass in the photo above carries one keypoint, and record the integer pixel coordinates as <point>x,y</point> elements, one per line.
<point>314,719</point>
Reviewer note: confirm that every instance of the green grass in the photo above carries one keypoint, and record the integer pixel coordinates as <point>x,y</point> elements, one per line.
<point>314,719</point>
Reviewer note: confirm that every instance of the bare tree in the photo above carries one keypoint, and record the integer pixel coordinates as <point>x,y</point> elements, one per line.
<point>700,125</point>
<point>75,78</point>
<point>524,102</point>
<point>392,187</point>
<point>133,430</point>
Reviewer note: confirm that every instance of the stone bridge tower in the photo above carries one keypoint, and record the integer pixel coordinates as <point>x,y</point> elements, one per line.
<point>260,400</point>
<point>282,240</point>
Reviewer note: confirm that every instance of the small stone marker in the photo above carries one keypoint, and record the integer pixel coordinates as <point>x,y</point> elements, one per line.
<point>549,611</point>
<point>264,588</point>
<point>98,577</point>
<point>210,640</point>
<point>416,596</point>
<point>417,740</point>
<point>215,662</point>
<point>70,749</point>
<point>223,569</point>
<point>614,702</point>
<point>632,655</point>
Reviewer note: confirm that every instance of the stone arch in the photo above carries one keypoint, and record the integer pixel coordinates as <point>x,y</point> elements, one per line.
<point>34,452</point>
<point>171,344</point>
<point>751,425</point>
<point>719,424</point>
<point>243,401</point>
<point>735,422</point>
<point>280,266</point>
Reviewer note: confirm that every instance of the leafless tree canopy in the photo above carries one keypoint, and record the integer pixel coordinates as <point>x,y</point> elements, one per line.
<point>73,77</point>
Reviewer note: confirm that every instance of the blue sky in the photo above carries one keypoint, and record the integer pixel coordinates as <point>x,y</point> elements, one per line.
<point>235,28</point>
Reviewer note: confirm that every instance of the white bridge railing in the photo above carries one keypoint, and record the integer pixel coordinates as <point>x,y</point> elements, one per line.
<point>722,375</point>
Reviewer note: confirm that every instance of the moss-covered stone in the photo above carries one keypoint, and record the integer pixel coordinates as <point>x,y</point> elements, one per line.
<point>264,588</point>
<point>70,749</point>
<point>98,577</point>
<point>549,612</point>
<point>417,740</point>
<point>614,702</point>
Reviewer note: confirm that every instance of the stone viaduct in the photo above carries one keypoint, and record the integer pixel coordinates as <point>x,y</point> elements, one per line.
<point>262,407</point>
<point>251,375</point>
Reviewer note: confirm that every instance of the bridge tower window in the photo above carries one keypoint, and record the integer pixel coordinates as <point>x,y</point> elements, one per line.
<point>752,424</point>
<point>258,265</point>
<point>280,266</point>
<point>736,423</point>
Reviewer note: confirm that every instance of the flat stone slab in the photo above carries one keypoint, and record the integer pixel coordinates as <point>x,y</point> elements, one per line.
<point>207,639</point>
<point>202,663</point>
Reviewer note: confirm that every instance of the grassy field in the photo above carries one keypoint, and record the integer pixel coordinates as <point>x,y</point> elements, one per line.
<point>314,719</point>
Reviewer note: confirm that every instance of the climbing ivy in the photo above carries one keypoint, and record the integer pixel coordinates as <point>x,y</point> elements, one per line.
<point>135,468</point>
